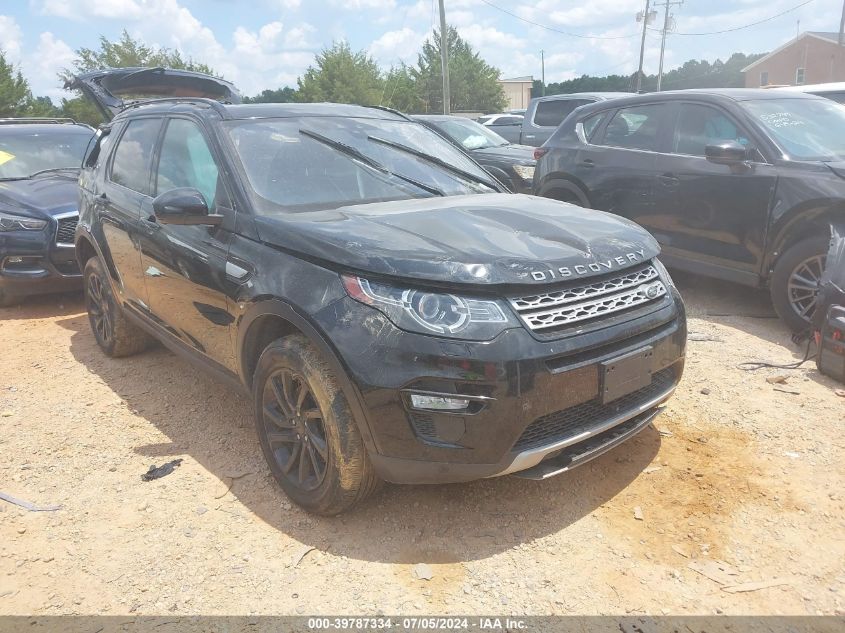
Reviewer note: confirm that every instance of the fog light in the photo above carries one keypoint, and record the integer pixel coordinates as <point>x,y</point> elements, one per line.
<point>438,403</point>
<point>15,260</point>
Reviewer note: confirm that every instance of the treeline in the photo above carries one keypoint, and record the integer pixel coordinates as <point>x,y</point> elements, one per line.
<point>693,74</point>
<point>342,75</point>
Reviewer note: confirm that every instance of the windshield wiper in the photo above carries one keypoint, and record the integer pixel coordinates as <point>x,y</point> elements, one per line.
<point>51,170</point>
<point>435,161</point>
<point>367,161</point>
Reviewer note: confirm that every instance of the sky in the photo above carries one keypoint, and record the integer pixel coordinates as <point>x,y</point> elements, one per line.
<point>263,44</point>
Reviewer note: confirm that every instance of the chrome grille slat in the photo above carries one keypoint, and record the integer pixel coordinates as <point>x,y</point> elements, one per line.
<point>562,308</point>
<point>570,295</point>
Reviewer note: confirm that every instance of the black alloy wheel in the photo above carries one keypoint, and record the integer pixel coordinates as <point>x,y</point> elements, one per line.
<point>295,430</point>
<point>99,310</point>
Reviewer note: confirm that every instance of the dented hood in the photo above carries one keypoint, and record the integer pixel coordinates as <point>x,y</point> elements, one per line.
<point>477,239</point>
<point>108,88</point>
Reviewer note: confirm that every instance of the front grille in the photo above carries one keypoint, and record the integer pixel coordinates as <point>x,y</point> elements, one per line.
<point>561,308</point>
<point>560,425</point>
<point>66,230</point>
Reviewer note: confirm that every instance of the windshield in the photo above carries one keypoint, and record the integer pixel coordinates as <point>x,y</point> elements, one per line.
<point>312,163</point>
<point>470,134</point>
<point>805,129</point>
<point>29,151</point>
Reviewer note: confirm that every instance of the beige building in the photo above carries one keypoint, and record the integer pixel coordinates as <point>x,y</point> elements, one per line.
<point>813,57</point>
<point>517,91</point>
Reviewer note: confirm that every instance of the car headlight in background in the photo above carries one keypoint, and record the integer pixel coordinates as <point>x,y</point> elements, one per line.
<point>431,312</point>
<point>526,172</point>
<point>17,223</point>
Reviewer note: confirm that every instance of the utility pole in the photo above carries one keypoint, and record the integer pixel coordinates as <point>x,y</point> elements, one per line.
<point>666,18</point>
<point>543,70</point>
<point>842,24</point>
<point>444,58</point>
<point>642,48</point>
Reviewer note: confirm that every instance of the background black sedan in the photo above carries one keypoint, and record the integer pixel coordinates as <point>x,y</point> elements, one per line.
<point>39,166</point>
<point>512,164</point>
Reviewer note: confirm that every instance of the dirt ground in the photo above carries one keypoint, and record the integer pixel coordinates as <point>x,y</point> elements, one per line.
<point>740,481</point>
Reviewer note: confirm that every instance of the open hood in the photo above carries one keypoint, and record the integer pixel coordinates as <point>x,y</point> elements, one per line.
<point>108,88</point>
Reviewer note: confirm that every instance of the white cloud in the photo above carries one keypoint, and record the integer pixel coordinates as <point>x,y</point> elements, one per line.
<point>43,65</point>
<point>11,38</point>
<point>290,5</point>
<point>355,5</point>
<point>298,37</point>
<point>123,9</point>
<point>394,46</point>
<point>487,36</point>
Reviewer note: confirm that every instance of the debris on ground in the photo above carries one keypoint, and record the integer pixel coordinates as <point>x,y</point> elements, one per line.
<point>27,505</point>
<point>421,571</point>
<point>651,469</point>
<point>840,393</point>
<point>705,392</point>
<point>161,471</point>
<point>756,586</point>
<point>718,571</point>
<point>699,336</point>
<point>680,550</point>
<point>638,513</point>
<point>789,391</point>
<point>302,553</point>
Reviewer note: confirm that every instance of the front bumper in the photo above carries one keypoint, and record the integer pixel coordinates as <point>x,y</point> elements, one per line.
<point>45,267</point>
<point>536,406</point>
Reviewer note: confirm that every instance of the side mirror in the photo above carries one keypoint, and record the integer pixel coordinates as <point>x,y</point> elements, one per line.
<point>726,153</point>
<point>186,206</point>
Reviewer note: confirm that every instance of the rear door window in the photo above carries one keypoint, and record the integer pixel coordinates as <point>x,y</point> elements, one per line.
<point>133,155</point>
<point>507,120</point>
<point>637,127</point>
<point>552,113</point>
<point>699,126</point>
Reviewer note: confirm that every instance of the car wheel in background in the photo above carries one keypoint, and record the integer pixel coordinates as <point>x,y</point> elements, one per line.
<point>795,281</point>
<point>7,300</point>
<point>115,335</point>
<point>307,431</point>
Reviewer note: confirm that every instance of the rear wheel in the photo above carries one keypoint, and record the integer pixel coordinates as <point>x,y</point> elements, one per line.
<point>307,431</point>
<point>795,281</point>
<point>115,335</point>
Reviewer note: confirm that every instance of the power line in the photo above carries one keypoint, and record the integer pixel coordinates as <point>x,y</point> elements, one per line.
<point>747,26</point>
<point>551,28</point>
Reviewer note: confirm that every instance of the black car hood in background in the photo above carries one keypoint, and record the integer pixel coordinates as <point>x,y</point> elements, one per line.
<point>105,87</point>
<point>479,239</point>
<point>39,197</point>
<point>513,153</point>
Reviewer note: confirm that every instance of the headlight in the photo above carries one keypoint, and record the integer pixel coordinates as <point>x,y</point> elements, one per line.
<point>18,223</point>
<point>664,274</point>
<point>431,312</point>
<point>526,172</point>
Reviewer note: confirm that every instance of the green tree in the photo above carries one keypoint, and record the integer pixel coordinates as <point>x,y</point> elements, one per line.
<point>280,95</point>
<point>15,96</point>
<point>342,76</point>
<point>473,82</point>
<point>400,90</point>
<point>125,52</point>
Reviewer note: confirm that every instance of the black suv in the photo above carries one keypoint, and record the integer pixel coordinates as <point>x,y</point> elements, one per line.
<point>394,313</point>
<point>737,184</point>
<point>39,165</point>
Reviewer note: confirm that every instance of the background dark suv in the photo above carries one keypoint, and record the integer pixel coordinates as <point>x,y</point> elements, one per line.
<point>735,184</point>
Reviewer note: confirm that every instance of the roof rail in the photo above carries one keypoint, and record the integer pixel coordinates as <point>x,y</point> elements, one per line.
<point>392,111</point>
<point>35,119</point>
<point>217,105</point>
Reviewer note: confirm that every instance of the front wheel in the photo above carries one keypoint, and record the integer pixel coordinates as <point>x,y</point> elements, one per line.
<point>795,281</point>
<point>307,431</point>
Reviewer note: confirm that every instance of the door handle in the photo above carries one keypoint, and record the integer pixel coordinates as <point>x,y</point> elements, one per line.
<point>530,136</point>
<point>588,162</point>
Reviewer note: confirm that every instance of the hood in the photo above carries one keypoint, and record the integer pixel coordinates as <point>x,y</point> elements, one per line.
<point>106,88</point>
<point>39,197</point>
<point>480,239</point>
<point>522,154</point>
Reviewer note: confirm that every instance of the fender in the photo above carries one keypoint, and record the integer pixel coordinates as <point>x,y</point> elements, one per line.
<point>809,219</point>
<point>286,311</point>
<point>560,181</point>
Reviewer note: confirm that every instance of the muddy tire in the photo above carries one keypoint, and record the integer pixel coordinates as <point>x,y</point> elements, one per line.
<point>794,282</point>
<point>115,334</point>
<point>307,432</point>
